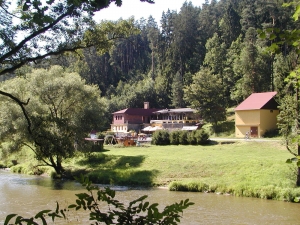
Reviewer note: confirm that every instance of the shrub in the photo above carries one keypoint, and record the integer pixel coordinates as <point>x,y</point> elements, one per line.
<point>161,137</point>
<point>192,138</point>
<point>183,139</point>
<point>272,133</point>
<point>201,137</point>
<point>174,137</point>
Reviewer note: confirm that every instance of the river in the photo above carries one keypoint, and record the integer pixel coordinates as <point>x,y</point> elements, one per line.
<point>27,195</point>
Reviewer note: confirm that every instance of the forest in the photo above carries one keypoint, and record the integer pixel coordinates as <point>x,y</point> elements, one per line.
<point>210,58</point>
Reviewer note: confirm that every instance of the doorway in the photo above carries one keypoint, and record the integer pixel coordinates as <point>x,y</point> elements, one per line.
<point>254,131</point>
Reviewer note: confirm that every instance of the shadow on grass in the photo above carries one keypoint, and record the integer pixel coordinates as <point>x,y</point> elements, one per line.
<point>211,142</point>
<point>116,170</point>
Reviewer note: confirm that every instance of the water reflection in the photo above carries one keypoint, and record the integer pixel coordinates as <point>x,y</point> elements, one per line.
<point>27,195</point>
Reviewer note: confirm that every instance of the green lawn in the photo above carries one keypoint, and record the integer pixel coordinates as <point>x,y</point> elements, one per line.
<point>255,169</point>
<point>253,162</point>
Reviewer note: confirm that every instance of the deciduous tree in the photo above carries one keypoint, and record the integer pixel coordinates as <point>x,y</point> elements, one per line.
<point>62,111</point>
<point>204,94</point>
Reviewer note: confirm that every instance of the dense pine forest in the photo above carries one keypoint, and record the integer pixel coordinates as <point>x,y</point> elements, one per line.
<point>210,58</point>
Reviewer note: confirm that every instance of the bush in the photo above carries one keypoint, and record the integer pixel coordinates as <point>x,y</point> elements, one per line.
<point>201,137</point>
<point>174,138</point>
<point>161,137</point>
<point>183,139</point>
<point>272,133</point>
<point>192,138</point>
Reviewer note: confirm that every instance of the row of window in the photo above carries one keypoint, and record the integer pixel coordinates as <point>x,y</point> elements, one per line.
<point>118,117</point>
<point>120,128</point>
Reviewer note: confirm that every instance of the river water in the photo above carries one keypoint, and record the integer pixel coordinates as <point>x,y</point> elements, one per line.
<point>27,195</point>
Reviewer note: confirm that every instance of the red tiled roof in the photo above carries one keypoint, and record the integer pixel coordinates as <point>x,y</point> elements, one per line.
<point>256,101</point>
<point>136,111</point>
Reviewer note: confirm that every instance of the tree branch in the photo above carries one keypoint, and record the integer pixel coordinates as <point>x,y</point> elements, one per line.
<point>35,34</point>
<point>288,148</point>
<point>21,104</point>
<point>53,53</point>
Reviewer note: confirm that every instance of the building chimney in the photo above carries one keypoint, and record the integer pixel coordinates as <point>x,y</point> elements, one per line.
<point>146,105</point>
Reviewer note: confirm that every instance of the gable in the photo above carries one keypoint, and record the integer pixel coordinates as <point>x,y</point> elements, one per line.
<point>263,100</point>
<point>272,104</point>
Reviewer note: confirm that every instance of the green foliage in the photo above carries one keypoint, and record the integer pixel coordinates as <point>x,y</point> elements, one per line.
<point>205,94</point>
<point>138,211</point>
<point>191,187</point>
<point>183,138</point>
<point>271,133</point>
<point>61,110</point>
<point>45,22</point>
<point>174,137</point>
<point>240,190</point>
<point>161,137</point>
<point>201,137</point>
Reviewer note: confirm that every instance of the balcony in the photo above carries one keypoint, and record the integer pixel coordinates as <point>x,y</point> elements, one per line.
<point>152,122</point>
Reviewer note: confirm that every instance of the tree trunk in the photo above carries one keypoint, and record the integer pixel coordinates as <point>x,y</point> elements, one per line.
<point>298,177</point>
<point>57,167</point>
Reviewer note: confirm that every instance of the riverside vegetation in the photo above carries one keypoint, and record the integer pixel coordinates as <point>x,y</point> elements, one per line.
<point>243,168</point>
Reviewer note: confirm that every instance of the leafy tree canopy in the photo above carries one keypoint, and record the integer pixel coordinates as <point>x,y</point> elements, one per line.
<point>62,110</point>
<point>205,94</point>
<point>32,30</point>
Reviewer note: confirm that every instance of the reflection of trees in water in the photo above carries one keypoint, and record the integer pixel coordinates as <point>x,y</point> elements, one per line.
<point>53,184</point>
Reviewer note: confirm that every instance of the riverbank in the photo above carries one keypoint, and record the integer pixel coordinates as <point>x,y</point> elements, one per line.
<point>253,169</point>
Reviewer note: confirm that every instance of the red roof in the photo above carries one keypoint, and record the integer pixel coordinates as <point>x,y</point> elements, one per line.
<point>136,111</point>
<point>258,101</point>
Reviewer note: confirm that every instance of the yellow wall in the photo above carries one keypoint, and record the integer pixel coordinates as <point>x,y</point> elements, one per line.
<point>262,119</point>
<point>268,120</point>
<point>247,117</point>
<point>244,120</point>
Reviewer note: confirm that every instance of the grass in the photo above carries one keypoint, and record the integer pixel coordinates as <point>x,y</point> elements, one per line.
<point>239,162</point>
<point>253,169</point>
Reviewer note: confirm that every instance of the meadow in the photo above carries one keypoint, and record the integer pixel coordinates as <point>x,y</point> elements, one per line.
<point>243,168</point>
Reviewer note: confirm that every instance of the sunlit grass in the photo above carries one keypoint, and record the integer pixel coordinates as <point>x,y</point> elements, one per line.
<point>253,169</point>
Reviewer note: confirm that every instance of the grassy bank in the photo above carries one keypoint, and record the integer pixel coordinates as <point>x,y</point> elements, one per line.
<point>254,169</point>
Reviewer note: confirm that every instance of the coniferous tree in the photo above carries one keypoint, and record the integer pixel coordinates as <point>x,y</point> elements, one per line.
<point>177,91</point>
<point>230,25</point>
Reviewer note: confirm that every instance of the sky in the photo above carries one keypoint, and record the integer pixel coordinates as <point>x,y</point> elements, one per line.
<point>140,9</point>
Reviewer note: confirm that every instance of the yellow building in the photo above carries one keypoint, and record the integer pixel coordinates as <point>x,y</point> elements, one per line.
<point>256,114</point>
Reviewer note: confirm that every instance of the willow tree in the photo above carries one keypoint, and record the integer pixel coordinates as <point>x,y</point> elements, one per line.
<point>62,110</point>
